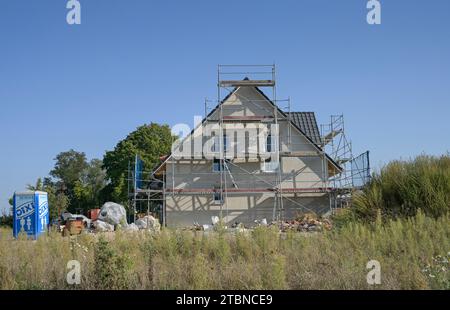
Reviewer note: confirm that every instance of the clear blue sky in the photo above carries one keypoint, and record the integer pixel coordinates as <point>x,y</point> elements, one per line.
<point>133,62</point>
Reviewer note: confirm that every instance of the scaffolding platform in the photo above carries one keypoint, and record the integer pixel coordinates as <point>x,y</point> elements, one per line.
<point>253,83</point>
<point>204,191</point>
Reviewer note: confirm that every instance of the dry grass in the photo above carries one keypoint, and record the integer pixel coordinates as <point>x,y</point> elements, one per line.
<point>262,259</point>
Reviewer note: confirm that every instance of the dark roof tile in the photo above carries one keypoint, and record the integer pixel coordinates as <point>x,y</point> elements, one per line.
<point>306,121</point>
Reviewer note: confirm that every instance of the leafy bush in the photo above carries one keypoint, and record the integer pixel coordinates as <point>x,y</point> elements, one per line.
<point>6,220</point>
<point>343,217</point>
<point>112,268</point>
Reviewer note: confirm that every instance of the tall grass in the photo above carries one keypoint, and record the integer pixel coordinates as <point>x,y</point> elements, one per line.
<point>401,188</point>
<point>261,259</point>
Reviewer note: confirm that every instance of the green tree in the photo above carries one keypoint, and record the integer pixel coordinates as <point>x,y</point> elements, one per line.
<point>88,190</point>
<point>69,166</point>
<point>150,142</point>
<point>95,180</point>
<point>79,183</point>
<point>57,199</point>
<point>6,218</point>
<point>69,169</point>
<point>38,186</point>
<point>60,203</point>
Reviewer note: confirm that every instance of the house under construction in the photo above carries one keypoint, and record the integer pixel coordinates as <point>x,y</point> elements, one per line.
<point>250,158</point>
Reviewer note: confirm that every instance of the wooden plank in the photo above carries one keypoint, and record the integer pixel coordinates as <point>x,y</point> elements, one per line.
<point>300,154</point>
<point>236,83</point>
<point>327,139</point>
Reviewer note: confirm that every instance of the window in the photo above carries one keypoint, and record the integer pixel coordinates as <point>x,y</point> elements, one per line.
<point>217,165</point>
<point>225,143</point>
<point>217,197</point>
<point>269,144</point>
<point>216,144</point>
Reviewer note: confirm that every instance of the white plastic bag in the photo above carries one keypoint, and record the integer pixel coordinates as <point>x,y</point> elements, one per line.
<point>114,214</point>
<point>102,226</point>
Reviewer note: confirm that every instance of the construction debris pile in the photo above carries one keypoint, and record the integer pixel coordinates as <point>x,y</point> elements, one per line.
<point>148,222</point>
<point>215,223</point>
<point>110,217</point>
<point>113,216</point>
<point>305,223</point>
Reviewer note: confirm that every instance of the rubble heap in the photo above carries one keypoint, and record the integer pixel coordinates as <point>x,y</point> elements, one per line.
<point>305,223</point>
<point>111,216</point>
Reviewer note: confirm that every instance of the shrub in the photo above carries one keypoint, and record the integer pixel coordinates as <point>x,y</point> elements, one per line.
<point>112,268</point>
<point>401,188</point>
<point>6,220</point>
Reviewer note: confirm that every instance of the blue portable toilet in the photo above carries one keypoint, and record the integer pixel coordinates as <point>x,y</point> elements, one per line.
<point>30,213</point>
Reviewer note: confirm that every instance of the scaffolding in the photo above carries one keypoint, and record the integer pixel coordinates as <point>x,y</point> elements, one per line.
<point>230,178</point>
<point>355,172</point>
<point>146,193</point>
<point>336,144</point>
<point>234,179</point>
<point>224,83</point>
